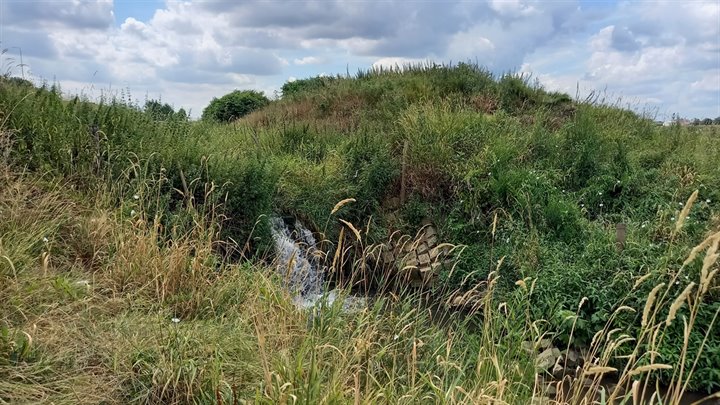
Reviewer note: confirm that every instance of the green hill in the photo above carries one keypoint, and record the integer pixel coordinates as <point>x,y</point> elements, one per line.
<point>527,185</point>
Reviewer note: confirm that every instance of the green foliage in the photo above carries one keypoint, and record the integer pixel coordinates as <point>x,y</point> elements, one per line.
<point>234,105</point>
<point>163,112</point>
<point>297,87</point>
<point>557,174</point>
<point>302,141</point>
<point>515,94</point>
<point>369,170</point>
<point>248,196</point>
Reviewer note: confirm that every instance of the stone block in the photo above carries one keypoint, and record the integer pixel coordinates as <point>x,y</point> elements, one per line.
<point>547,358</point>
<point>422,248</point>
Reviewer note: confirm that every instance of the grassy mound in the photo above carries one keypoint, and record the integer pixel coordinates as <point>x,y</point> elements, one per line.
<point>502,168</point>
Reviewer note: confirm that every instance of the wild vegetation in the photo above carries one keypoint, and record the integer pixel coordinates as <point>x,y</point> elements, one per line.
<point>135,252</point>
<point>234,105</point>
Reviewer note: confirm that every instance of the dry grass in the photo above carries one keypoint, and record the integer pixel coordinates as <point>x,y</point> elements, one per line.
<point>340,114</point>
<point>109,310</point>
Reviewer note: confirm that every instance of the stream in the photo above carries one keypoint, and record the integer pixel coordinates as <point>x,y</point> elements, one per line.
<point>300,267</point>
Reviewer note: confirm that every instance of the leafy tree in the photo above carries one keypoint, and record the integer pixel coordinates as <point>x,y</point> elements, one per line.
<point>159,111</point>
<point>181,115</point>
<point>716,121</point>
<point>234,105</point>
<point>20,82</point>
<point>707,121</point>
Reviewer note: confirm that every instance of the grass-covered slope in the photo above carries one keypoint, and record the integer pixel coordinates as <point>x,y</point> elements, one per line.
<point>501,167</point>
<point>557,175</point>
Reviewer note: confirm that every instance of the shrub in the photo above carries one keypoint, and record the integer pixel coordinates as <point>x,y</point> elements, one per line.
<point>304,85</point>
<point>159,111</point>
<point>234,105</point>
<point>515,93</point>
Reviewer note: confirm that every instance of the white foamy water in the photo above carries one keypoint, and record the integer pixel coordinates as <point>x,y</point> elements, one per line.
<point>295,248</point>
<point>301,271</point>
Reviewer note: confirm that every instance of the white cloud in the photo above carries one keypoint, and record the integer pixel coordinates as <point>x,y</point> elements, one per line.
<point>662,54</point>
<point>709,82</point>
<point>665,53</point>
<point>308,60</point>
<point>513,8</point>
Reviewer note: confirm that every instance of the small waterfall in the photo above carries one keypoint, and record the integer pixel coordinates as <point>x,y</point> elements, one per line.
<point>297,261</point>
<point>300,268</point>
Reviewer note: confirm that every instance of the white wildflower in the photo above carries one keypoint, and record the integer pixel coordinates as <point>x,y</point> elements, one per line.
<point>132,213</point>
<point>45,240</point>
<point>136,197</point>
<point>175,320</point>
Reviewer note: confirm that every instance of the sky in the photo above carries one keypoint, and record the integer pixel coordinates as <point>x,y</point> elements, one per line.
<point>657,57</point>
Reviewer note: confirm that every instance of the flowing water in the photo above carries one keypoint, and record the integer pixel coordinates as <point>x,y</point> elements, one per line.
<point>300,266</point>
<point>295,248</point>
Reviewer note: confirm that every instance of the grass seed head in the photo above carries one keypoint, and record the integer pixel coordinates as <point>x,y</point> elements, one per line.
<point>685,211</point>
<point>649,303</point>
<point>678,303</point>
<point>340,204</point>
<point>650,367</point>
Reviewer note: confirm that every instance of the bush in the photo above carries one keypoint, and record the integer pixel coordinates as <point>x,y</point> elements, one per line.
<point>234,105</point>
<point>304,85</point>
<point>164,112</point>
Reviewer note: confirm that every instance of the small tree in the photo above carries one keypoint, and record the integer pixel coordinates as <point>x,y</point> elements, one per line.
<point>707,121</point>
<point>716,121</point>
<point>159,111</point>
<point>234,105</point>
<point>181,115</point>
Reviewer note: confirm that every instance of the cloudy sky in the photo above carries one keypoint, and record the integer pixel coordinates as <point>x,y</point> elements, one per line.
<point>659,56</point>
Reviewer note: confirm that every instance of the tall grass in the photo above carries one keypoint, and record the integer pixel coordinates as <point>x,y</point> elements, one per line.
<point>112,234</point>
<point>106,311</point>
